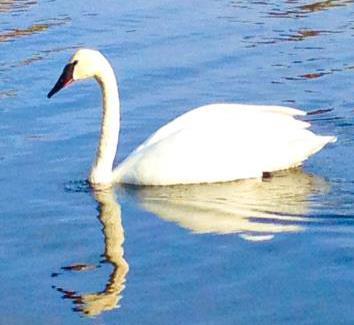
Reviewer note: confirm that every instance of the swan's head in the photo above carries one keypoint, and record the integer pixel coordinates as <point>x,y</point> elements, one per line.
<point>84,64</point>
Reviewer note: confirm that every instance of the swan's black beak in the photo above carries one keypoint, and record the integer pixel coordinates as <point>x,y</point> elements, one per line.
<point>65,79</point>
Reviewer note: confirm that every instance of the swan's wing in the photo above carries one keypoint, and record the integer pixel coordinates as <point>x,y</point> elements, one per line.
<point>213,145</point>
<point>208,113</point>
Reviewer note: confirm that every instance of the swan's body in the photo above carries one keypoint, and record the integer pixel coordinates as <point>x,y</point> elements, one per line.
<point>213,143</point>
<point>221,142</point>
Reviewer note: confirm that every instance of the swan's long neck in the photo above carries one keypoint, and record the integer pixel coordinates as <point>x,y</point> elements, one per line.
<point>101,172</point>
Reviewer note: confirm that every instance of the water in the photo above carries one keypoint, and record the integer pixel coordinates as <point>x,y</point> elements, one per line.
<point>275,252</point>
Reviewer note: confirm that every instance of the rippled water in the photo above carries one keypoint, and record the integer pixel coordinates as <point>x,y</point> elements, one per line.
<point>272,252</point>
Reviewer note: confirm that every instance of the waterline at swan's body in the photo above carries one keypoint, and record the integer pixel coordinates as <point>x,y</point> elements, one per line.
<point>213,143</point>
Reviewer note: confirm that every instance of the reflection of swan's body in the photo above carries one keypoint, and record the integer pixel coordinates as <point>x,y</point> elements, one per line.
<point>214,143</point>
<point>110,217</point>
<point>254,209</point>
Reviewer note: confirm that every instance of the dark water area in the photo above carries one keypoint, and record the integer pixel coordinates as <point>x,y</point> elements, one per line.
<point>279,251</point>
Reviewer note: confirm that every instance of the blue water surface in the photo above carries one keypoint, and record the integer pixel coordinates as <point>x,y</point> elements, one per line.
<point>279,251</point>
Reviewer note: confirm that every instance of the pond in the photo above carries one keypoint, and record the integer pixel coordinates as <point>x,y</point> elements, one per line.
<point>249,252</point>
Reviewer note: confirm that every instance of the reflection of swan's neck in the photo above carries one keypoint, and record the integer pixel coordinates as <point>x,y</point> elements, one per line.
<point>102,168</point>
<point>110,217</point>
<point>93,304</point>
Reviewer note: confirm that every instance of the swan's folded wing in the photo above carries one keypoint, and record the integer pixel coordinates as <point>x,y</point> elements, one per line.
<point>210,114</point>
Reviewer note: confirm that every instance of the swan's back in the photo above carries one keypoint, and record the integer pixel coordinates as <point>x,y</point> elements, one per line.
<point>222,142</point>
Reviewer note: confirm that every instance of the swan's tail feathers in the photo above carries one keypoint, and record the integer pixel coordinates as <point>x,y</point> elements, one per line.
<point>312,146</point>
<point>331,139</point>
<point>322,141</point>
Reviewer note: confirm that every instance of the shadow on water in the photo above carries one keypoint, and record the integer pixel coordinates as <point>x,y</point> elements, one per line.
<point>93,304</point>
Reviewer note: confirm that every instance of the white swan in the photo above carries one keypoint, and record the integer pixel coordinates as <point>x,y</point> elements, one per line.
<point>213,143</point>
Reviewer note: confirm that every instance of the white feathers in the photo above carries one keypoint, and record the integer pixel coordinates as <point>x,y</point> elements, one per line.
<point>221,142</point>
<point>214,143</point>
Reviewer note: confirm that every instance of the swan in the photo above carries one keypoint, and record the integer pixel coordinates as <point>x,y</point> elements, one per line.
<point>212,143</point>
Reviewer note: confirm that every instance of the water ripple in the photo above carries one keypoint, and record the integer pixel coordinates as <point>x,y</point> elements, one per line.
<point>16,33</point>
<point>16,6</point>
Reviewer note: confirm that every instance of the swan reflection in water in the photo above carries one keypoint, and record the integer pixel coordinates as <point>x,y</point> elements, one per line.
<point>94,304</point>
<point>254,209</point>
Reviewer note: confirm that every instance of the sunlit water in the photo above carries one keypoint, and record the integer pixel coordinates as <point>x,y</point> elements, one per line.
<point>272,252</point>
